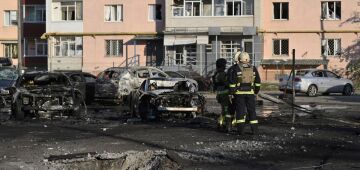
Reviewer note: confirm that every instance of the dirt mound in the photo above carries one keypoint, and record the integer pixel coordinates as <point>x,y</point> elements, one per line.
<point>130,160</point>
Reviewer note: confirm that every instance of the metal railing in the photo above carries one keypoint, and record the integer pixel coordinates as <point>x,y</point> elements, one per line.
<point>229,29</point>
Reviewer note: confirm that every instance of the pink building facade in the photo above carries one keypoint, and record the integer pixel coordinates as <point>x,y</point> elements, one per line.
<point>321,32</point>
<point>124,33</point>
<point>8,30</point>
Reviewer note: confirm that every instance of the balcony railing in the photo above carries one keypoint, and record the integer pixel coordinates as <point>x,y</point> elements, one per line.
<point>200,29</point>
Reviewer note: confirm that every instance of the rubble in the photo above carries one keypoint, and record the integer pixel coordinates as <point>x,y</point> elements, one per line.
<point>129,160</point>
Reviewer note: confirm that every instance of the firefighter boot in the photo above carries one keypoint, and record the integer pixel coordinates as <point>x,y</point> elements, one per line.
<point>228,123</point>
<point>254,129</point>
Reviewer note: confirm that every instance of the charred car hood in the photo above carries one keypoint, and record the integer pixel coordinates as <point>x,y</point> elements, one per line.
<point>45,90</point>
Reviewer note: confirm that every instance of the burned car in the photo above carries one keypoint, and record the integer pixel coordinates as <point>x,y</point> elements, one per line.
<point>155,97</point>
<point>8,77</point>
<point>43,94</point>
<point>116,83</point>
<point>85,82</point>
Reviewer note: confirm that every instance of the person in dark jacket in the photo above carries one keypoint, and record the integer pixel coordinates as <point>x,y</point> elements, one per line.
<point>221,87</point>
<point>244,85</point>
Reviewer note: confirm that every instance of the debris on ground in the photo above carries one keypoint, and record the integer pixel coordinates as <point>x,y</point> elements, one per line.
<point>129,160</point>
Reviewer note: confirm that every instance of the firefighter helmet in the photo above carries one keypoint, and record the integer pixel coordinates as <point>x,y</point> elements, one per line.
<point>243,57</point>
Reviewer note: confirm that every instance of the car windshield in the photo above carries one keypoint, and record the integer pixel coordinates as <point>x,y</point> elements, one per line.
<point>302,72</point>
<point>8,74</point>
<point>43,80</point>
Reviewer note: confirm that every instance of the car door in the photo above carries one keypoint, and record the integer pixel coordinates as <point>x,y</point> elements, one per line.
<point>319,80</point>
<point>90,81</point>
<point>79,83</point>
<point>334,83</point>
<point>106,86</point>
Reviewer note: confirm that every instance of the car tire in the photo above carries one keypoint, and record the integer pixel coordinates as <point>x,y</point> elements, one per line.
<point>312,91</point>
<point>347,90</point>
<point>80,112</point>
<point>18,113</point>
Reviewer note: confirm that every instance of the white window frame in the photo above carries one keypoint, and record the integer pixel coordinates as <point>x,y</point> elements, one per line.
<point>233,4</point>
<point>67,10</point>
<point>9,51</point>
<point>41,8</point>
<point>325,4</point>
<point>118,52</point>
<point>281,10</point>
<point>336,47</point>
<point>280,46</point>
<point>68,43</point>
<point>152,16</point>
<point>192,2</point>
<point>119,12</point>
<point>9,16</point>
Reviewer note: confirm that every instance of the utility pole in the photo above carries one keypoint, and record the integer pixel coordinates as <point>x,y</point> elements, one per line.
<point>19,18</point>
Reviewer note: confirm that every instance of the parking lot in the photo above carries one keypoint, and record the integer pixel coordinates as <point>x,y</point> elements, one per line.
<point>323,139</point>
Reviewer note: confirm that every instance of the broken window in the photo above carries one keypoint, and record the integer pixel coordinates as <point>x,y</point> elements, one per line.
<point>281,47</point>
<point>281,10</point>
<point>178,8</point>
<point>331,10</point>
<point>113,13</point>
<point>10,18</point>
<point>219,7</point>
<point>68,46</point>
<point>114,47</point>
<point>331,47</point>
<point>71,11</point>
<point>155,12</point>
<point>228,49</point>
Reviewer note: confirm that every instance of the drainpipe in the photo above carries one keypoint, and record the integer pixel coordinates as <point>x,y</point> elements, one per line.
<point>19,17</point>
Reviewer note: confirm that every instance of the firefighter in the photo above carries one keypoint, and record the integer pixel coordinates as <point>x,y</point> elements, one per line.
<point>222,92</point>
<point>244,84</point>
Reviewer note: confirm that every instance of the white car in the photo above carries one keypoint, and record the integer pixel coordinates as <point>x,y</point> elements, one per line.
<point>314,81</point>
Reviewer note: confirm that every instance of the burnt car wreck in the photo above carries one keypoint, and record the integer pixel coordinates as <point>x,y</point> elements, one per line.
<point>155,97</point>
<point>43,94</point>
<point>8,77</point>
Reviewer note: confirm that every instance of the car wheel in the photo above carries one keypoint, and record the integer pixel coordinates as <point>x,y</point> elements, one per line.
<point>312,91</point>
<point>80,110</point>
<point>347,90</point>
<point>147,111</point>
<point>18,113</point>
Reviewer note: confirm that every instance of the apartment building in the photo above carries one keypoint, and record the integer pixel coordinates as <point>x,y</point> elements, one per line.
<point>323,34</point>
<point>33,24</point>
<point>198,32</point>
<point>94,35</point>
<point>8,30</point>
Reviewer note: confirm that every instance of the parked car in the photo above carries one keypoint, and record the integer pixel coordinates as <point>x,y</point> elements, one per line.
<point>85,82</point>
<point>40,93</point>
<point>156,96</point>
<point>5,61</point>
<point>204,82</point>
<point>8,77</point>
<point>116,83</point>
<point>314,81</point>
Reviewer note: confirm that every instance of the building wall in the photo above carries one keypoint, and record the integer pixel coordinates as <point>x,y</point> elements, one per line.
<point>135,21</point>
<point>7,33</point>
<point>305,17</point>
<point>60,26</point>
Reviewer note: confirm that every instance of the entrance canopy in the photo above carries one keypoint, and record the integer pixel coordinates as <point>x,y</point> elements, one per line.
<point>170,40</point>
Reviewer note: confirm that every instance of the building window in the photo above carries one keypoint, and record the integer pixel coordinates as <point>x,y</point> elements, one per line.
<point>331,47</point>
<point>35,13</point>
<point>35,47</point>
<point>228,49</point>
<point>114,48</point>
<point>68,46</point>
<point>113,13</point>
<point>71,11</point>
<point>234,7</point>
<point>193,7</point>
<point>331,10</point>
<point>281,10</point>
<point>11,50</point>
<point>281,47</point>
<point>155,13</point>
<point>10,18</point>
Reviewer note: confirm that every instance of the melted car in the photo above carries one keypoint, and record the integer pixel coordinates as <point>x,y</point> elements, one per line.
<point>155,97</point>
<point>41,93</point>
<point>115,84</point>
<point>8,77</point>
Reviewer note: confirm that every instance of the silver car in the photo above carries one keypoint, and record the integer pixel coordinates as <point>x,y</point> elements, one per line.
<point>314,81</point>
